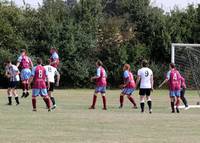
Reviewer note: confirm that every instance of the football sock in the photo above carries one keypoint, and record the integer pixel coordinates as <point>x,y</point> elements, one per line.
<point>17,99</point>
<point>149,104</point>
<point>177,102</point>
<point>132,101</point>
<point>34,103</point>
<point>121,101</point>
<point>47,101</point>
<point>184,101</point>
<point>172,106</point>
<point>53,100</point>
<point>94,101</point>
<point>142,106</point>
<point>104,102</point>
<point>10,100</point>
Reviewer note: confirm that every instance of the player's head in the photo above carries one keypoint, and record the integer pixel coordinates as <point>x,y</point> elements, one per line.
<point>23,52</point>
<point>49,61</point>
<point>99,63</point>
<point>8,62</point>
<point>39,61</point>
<point>53,49</point>
<point>126,67</point>
<point>172,66</point>
<point>145,63</point>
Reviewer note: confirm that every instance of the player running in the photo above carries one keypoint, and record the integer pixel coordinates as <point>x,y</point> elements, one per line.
<point>39,77</point>
<point>174,80</point>
<point>12,72</point>
<point>183,88</point>
<point>145,78</point>
<point>100,85</point>
<point>52,72</point>
<point>128,86</point>
<point>25,63</point>
<point>54,58</point>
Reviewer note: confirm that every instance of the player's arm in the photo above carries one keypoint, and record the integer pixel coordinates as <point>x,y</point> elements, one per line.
<point>138,80</point>
<point>165,81</point>
<point>97,75</point>
<point>30,81</point>
<point>31,63</point>
<point>7,74</point>
<point>18,61</point>
<point>152,82</point>
<point>58,78</point>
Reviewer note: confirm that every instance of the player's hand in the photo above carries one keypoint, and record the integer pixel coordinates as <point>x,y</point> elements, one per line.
<point>121,86</point>
<point>152,89</point>
<point>91,79</point>
<point>48,85</point>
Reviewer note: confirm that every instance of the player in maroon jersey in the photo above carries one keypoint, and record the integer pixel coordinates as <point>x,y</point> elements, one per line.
<point>39,77</point>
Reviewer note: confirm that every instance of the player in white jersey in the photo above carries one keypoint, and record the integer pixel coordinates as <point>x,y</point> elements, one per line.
<point>12,73</point>
<point>145,78</point>
<point>52,72</point>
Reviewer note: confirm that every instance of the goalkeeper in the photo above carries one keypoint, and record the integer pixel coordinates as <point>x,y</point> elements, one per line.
<point>183,88</point>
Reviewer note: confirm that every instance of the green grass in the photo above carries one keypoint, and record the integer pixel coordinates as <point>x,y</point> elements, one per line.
<point>72,122</point>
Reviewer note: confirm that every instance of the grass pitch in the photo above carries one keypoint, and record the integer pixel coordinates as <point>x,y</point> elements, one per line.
<point>72,122</point>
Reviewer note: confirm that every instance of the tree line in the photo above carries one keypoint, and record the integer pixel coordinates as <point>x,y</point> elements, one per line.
<point>114,31</point>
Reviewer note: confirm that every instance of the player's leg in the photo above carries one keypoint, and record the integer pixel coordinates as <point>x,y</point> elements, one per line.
<point>142,96</point>
<point>121,100</point>
<point>183,98</point>
<point>103,95</point>
<point>9,96</point>
<point>27,76</point>
<point>131,99</point>
<point>149,101</point>
<point>35,93</point>
<point>172,99</point>
<point>14,93</point>
<point>50,93</point>
<point>177,94</point>
<point>44,94</point>
<point>97,90</point>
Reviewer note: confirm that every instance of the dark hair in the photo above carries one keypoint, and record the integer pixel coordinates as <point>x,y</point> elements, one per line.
<point>145,63</point>
<point>8,61</point>
<point>127,66</point>
<point>39,61</point>
<point>172,65</point>
<point>23,50</point>
<point>99,63</point>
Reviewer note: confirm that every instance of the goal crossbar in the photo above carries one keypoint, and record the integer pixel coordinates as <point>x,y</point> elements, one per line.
<point>174,45</point>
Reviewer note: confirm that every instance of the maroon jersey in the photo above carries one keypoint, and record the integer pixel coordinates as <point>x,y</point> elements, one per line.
<point>39,75</point>
<point>101,73</point>
<point>174,80</point>
<point>128,78</point>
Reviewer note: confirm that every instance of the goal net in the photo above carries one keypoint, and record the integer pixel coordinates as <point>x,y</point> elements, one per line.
<point>187,60</point>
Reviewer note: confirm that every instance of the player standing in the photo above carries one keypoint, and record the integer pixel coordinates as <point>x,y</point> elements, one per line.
<point>183,88</point>
<point>39,77</point>
<point>52,72</point>
<point>145,78</point>
<point>12,72</point>
<point>101,84</point>
<point>128,86</point>
<point>54,58</point>
<point>174,80</point>
<point>25,63</point>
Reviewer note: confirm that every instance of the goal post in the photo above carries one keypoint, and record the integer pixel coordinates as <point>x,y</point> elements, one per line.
<point>174,45</point>
<point>186,57</point>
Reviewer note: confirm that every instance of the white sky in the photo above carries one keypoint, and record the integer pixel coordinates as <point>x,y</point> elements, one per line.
<point>165,4</point>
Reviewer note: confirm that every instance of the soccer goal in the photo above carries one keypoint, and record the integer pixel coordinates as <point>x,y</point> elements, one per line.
<point>187,60</point>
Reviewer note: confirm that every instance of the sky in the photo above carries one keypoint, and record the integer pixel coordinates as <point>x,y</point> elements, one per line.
<point>167,5</point>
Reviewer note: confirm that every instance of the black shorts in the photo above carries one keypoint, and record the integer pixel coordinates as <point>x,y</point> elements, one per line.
<point>13,84</point>
<point>51,88</point>
<point>182,92</point>
<point>144,92</point>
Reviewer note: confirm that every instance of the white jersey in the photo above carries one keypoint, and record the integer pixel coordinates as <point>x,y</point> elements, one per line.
<point>145,76</point>
<point>13,71</point>
<point>51,72</point>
